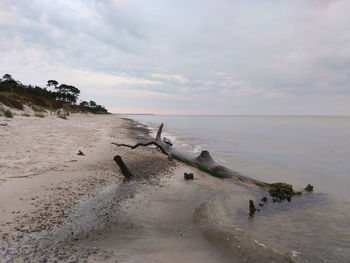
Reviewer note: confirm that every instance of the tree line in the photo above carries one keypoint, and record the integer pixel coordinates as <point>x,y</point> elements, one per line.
<point>62,93</point>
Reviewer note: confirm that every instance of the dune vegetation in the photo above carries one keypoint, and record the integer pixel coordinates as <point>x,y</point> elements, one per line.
<point>52,97</point>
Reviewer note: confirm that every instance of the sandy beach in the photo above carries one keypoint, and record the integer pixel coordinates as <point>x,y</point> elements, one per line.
<point>59,206</point>
<point>43,178</point>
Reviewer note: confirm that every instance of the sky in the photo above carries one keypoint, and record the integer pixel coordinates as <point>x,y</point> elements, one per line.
<point>185,57</point>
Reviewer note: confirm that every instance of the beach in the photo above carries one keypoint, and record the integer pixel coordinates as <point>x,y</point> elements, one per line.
<point>44,181</point>
<point>174,131</point>
<point>57,206</point>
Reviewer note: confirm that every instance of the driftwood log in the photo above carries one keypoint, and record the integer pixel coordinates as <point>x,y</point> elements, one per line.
<point>204,162</point>
<point>125,170</point>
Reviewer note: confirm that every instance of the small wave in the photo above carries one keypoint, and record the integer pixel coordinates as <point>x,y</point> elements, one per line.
<point>295,253</point>
<point>170,136</point>
<point>220,160</point>
<point>197,149</point>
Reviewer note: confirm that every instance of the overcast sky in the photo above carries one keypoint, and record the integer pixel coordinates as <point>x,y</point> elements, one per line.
<point>185,57</point>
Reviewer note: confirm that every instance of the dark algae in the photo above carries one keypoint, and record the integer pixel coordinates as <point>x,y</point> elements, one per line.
<point>281,191</point>
<point>309,188</point>
<point>264,199</point>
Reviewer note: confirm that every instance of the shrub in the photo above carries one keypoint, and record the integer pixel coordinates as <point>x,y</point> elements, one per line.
<point>74,110</point>
<point>40,115</point>
<point>38,108</point>
<point>25,114</point>
<point>8,113</point>
<point>62,116</point>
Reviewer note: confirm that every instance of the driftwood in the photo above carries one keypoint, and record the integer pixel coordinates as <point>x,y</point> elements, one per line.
<point>125,170</point>
<point>252,208</point>
<point>80,153</point>
<point>204,162</point>
<point>188,176</point>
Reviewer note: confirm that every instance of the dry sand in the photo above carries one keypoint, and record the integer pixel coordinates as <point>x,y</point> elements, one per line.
<point>57,206</point>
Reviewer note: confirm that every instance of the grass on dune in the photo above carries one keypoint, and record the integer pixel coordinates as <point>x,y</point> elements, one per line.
<point>6,113</point>
<point>40,115</point>
<point>38,108</point>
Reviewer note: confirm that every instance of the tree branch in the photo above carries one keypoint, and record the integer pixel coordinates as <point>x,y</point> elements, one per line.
<point>159,133</point>
<point>143,144</point>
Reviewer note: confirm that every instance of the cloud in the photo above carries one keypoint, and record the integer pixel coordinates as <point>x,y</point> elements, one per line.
<point>171,78</point>
<point>89,78</point>
<point>227,56</point>
<point>276,95</point>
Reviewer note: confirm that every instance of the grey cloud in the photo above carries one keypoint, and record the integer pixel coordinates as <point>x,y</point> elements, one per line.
<point>267,50</point>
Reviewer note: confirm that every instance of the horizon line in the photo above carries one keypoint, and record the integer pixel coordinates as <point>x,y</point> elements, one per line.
<point>240,115</point>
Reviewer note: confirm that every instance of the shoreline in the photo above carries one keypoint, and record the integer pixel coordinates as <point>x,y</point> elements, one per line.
<point>82,210</point>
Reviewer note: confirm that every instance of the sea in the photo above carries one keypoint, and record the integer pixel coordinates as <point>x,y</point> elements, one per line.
<point>297,150</point>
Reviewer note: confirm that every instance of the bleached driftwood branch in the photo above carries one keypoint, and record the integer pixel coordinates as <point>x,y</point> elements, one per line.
<point>203,162</point>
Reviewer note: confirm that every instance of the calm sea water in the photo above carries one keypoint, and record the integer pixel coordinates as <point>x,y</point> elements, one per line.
<point>296,150</point>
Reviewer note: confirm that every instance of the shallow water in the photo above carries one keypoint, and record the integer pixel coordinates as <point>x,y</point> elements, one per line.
<point>296,150</point>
